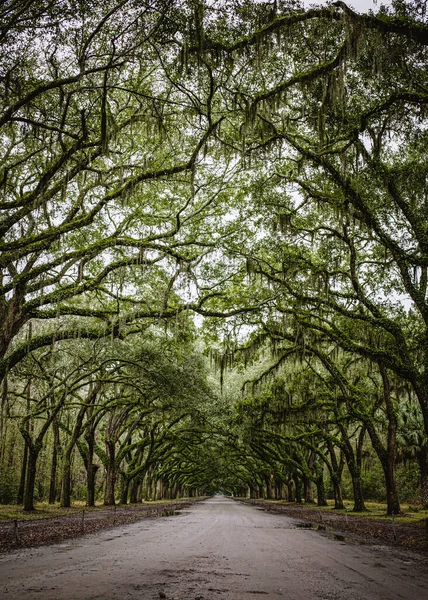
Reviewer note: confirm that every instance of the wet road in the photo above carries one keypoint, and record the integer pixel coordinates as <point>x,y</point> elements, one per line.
<point>217,549</point>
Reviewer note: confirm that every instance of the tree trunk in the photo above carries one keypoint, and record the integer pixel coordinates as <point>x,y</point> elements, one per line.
<point>421,390</point>
<point>298,486</point>
<point>337,492</point>
<point>124,490</point>
<point>158,490</point>
<point>392,500</point>
<point>268,487</point>
<point>148,486</point>
<point>33,455</point>
<point>90,493</point>
<point>388,464</point>
<point>3,418</point>
<point>353,460</point>
<point>21,489</point>
<point>54,463</point>
<point>139,498</point>
<point>321,497</point>
<point>66,480</point>
<point>133,497</point>
<point>336,475</point>
<point>34,447</point>
<point>291,490</point>
<point>387,460</point>
<point>66,464</point>
<point>359,505</point>
<point>308,490</point>
<point>109,499</point>
<point>26,434</point>
<point>91,469</point>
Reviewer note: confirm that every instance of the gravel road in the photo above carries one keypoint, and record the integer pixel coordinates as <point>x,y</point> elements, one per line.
<point>216,549</point>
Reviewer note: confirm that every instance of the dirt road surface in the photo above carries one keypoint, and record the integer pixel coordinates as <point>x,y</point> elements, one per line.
<point>216,549</point>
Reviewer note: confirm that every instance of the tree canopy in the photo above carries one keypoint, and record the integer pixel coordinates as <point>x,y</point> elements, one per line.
<point>213,249</point>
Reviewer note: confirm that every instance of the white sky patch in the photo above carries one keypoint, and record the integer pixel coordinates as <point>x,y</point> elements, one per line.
<point>361,6</point>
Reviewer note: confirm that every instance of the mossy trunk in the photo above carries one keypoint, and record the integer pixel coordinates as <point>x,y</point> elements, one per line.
<point>66,480</point>
<point>298,488</point>
<point>109,492</point>
<point>54,463</point>
<point>66,463</point>
<point>336,475</point>
<point>337,493</point>
<point>321,496</point>
<point>387,455</point>
<point>353,460</point>
<point>359,505</point>
<point>22,479</point>
<point>308,490</point>
<point>124,490</point>
<point>291,491</point>
<point>268,485</point>
<point>33,455</point>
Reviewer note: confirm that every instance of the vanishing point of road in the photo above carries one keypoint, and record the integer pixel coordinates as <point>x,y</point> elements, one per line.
<point>216,549</point>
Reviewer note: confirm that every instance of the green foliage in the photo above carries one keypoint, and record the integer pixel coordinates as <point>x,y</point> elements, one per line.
<point>8,486</point>
<point>373,484</point>
<point>408,481</point>
<point>259,165</point>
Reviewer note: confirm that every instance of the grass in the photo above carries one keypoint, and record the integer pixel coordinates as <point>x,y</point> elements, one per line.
<point>375,510</point>
<point>49,511</point>
<point>43,511</point>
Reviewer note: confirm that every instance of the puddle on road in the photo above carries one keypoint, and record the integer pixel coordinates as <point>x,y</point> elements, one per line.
<point>169,513</point>
<point>329,533</point>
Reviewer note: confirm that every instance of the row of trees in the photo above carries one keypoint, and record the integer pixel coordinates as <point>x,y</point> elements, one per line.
<point>103,220</point>
<point>134,409</point>
<point>304,431</point>
<point>259,164</point>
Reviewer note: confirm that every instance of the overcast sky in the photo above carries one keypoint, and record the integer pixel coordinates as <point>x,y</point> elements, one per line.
<point>358,5</point>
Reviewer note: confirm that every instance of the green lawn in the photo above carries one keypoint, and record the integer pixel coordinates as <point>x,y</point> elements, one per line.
<point>46,511</point>
<point>376,510</point>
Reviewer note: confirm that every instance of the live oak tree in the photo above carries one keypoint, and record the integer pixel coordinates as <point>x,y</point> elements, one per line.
<point>336,145</point>
<point>261,164</point>
<point>102,146</point>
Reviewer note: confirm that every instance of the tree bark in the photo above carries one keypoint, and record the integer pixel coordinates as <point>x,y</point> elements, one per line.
<point>291,490</point>
<point>109,497</point>
<point>54,463</point>
<point>66,463</point>
<point>298,487</point>
<point>387,456</point>
<point>21,489</point>
<point>336,475</point>
<point>133,496</point>
<point>124,489</point>
<point>66,480</point>
<point>353,460</point>
<point>268,487</point>
<point>91,469</point>
<point>33,454</point>
<point>26,435</point>
<point>308,490</point>
<point>321,496</point>
<point>421,390</point>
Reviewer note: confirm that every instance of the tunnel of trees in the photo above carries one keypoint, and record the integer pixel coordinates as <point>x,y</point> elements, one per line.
<point>214,251</point>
